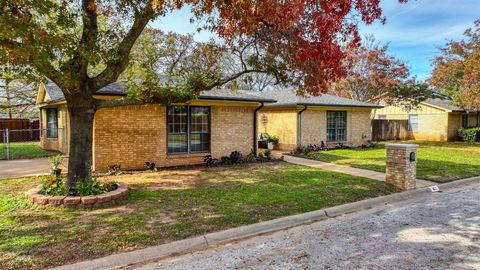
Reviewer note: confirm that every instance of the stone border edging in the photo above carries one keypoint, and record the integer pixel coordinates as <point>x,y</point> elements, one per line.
<point>34,196</point>
<point>152,254</point>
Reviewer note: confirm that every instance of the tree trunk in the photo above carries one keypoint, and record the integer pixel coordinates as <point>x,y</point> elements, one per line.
<point>81,111</point>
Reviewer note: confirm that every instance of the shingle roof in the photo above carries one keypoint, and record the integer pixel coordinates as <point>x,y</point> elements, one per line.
<point>118,89</point>
<point>289,98</point>
<point>445,103</point>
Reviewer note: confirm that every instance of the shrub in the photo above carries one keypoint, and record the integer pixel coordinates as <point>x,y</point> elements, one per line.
<point>56,161</point>
<point>250,157</point>
<point>236,157</point>
<point>150,166</point>
<point>55,186</point>
<point>272,139</point>
<point>469,134</point>
<point>94,187</point>
<point>52,185</point>
<point>268,154</point>
<point>210,161</point>
<point>114,170</point>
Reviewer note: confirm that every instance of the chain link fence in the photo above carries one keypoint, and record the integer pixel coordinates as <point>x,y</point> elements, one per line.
<point>25,143</point>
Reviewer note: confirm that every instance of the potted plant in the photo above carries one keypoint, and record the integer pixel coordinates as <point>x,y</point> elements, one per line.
<point>56,161</point>
<point>272,140</point>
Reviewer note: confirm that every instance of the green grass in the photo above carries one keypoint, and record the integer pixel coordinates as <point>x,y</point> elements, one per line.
<point>437,161</point>
<point>166,206</point>
<point>27,150</point>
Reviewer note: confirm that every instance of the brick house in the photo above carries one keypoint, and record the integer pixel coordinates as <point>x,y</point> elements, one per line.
<point>216,123</point>
<point>308,120</point>
<point>435,119</point>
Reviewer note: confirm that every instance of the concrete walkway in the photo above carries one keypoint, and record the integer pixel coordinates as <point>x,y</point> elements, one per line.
<point>24,167</point>
<point>346,170</point>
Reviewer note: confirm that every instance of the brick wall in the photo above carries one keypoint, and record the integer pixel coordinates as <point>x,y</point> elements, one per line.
<point>281,122</point>
<point>314,126</point>
<point>133,135</point>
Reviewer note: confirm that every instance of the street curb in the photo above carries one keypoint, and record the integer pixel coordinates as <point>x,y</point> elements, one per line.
<point>178,247</point>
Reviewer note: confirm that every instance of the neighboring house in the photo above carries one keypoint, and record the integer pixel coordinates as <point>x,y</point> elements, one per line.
<point>216,123</point>
<point>435,119</point>
<point>301,121</point>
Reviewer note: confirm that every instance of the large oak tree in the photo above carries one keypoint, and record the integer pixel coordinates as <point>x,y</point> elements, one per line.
<point>85,45</point>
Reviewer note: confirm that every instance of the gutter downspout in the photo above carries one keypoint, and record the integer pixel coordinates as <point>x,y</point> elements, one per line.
<point>255,127</point>
<point>299,125</point>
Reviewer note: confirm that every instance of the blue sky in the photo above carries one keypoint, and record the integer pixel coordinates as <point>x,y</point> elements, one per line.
<point>414,30</point>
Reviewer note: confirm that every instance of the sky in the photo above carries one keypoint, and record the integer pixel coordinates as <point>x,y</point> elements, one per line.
<point>414,30</point>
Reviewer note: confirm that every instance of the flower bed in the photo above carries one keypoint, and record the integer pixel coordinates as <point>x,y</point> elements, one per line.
<point>108,198</point>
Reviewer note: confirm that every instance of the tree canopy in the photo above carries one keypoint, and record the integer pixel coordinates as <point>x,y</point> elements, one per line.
<point>85,45</point>
<point>456,71</point>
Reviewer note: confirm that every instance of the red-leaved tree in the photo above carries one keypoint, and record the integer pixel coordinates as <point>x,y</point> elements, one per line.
<point>300,42</point>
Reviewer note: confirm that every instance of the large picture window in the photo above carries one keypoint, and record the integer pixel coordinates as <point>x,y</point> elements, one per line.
<point>336,126</point>
<point>52,123</point>
<point>188,129</point>
<point>413,122</point>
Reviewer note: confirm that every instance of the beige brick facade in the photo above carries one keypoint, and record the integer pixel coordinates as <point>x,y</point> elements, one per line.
<point>283,123</point>
<point>133,135</point>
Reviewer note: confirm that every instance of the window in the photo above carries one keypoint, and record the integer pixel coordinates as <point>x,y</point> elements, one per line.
<point>336,126</point>
<point>188,130</point>
<point>413,122</point>
<point>464,120</point>
<point>52,123</point>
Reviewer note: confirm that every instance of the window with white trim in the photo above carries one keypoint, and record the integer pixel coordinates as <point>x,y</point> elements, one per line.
<point>413,122</point>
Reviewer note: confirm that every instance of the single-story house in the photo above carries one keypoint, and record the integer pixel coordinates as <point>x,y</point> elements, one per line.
<point>216,123</point>
<point>435,119</point>
<point>305,120</point>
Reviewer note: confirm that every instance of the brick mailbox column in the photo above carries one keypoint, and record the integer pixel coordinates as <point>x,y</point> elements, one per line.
<point>402,165</point>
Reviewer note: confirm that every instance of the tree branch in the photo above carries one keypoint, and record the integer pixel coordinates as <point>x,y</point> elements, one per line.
<point>117,102</point>
<point>120,55</point>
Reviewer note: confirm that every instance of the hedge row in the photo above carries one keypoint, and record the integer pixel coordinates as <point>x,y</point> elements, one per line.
<point>469,134</point>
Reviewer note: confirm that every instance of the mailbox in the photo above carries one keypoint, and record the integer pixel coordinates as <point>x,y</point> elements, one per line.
<point>413,157</point>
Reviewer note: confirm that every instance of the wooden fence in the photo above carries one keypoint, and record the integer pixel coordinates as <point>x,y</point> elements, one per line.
<point>385,130</point>
<point>20,130</point>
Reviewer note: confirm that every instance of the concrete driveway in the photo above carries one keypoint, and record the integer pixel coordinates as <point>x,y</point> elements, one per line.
<point>437,232</point>
<point>24,167</point>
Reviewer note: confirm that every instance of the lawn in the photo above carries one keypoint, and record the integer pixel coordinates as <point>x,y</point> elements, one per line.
<point>27,150</point>
<point>166,206</point>
<point>437,161</point>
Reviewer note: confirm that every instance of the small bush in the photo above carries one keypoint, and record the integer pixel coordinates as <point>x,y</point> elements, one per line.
<point>52,185</point>
<point>55,186</point>
<point>210,161</point>
<point>236,157</point>
<point>150,166</point>
<point>56,161</point>
<point>93,187</point>
<point>272,139</point>
<point>114,170</point>
<point>268,154</point>
<point>250,157</point>
<point>469,134</point>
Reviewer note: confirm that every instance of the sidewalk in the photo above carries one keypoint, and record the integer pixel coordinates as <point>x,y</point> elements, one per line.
<point>24,167</point>
<point>346,170</point>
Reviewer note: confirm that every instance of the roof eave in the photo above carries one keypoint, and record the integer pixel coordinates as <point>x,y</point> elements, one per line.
<point>236,99</point>
<point>324,105</point>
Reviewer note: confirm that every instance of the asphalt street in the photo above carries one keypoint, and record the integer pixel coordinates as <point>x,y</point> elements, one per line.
<point>438,232</point>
